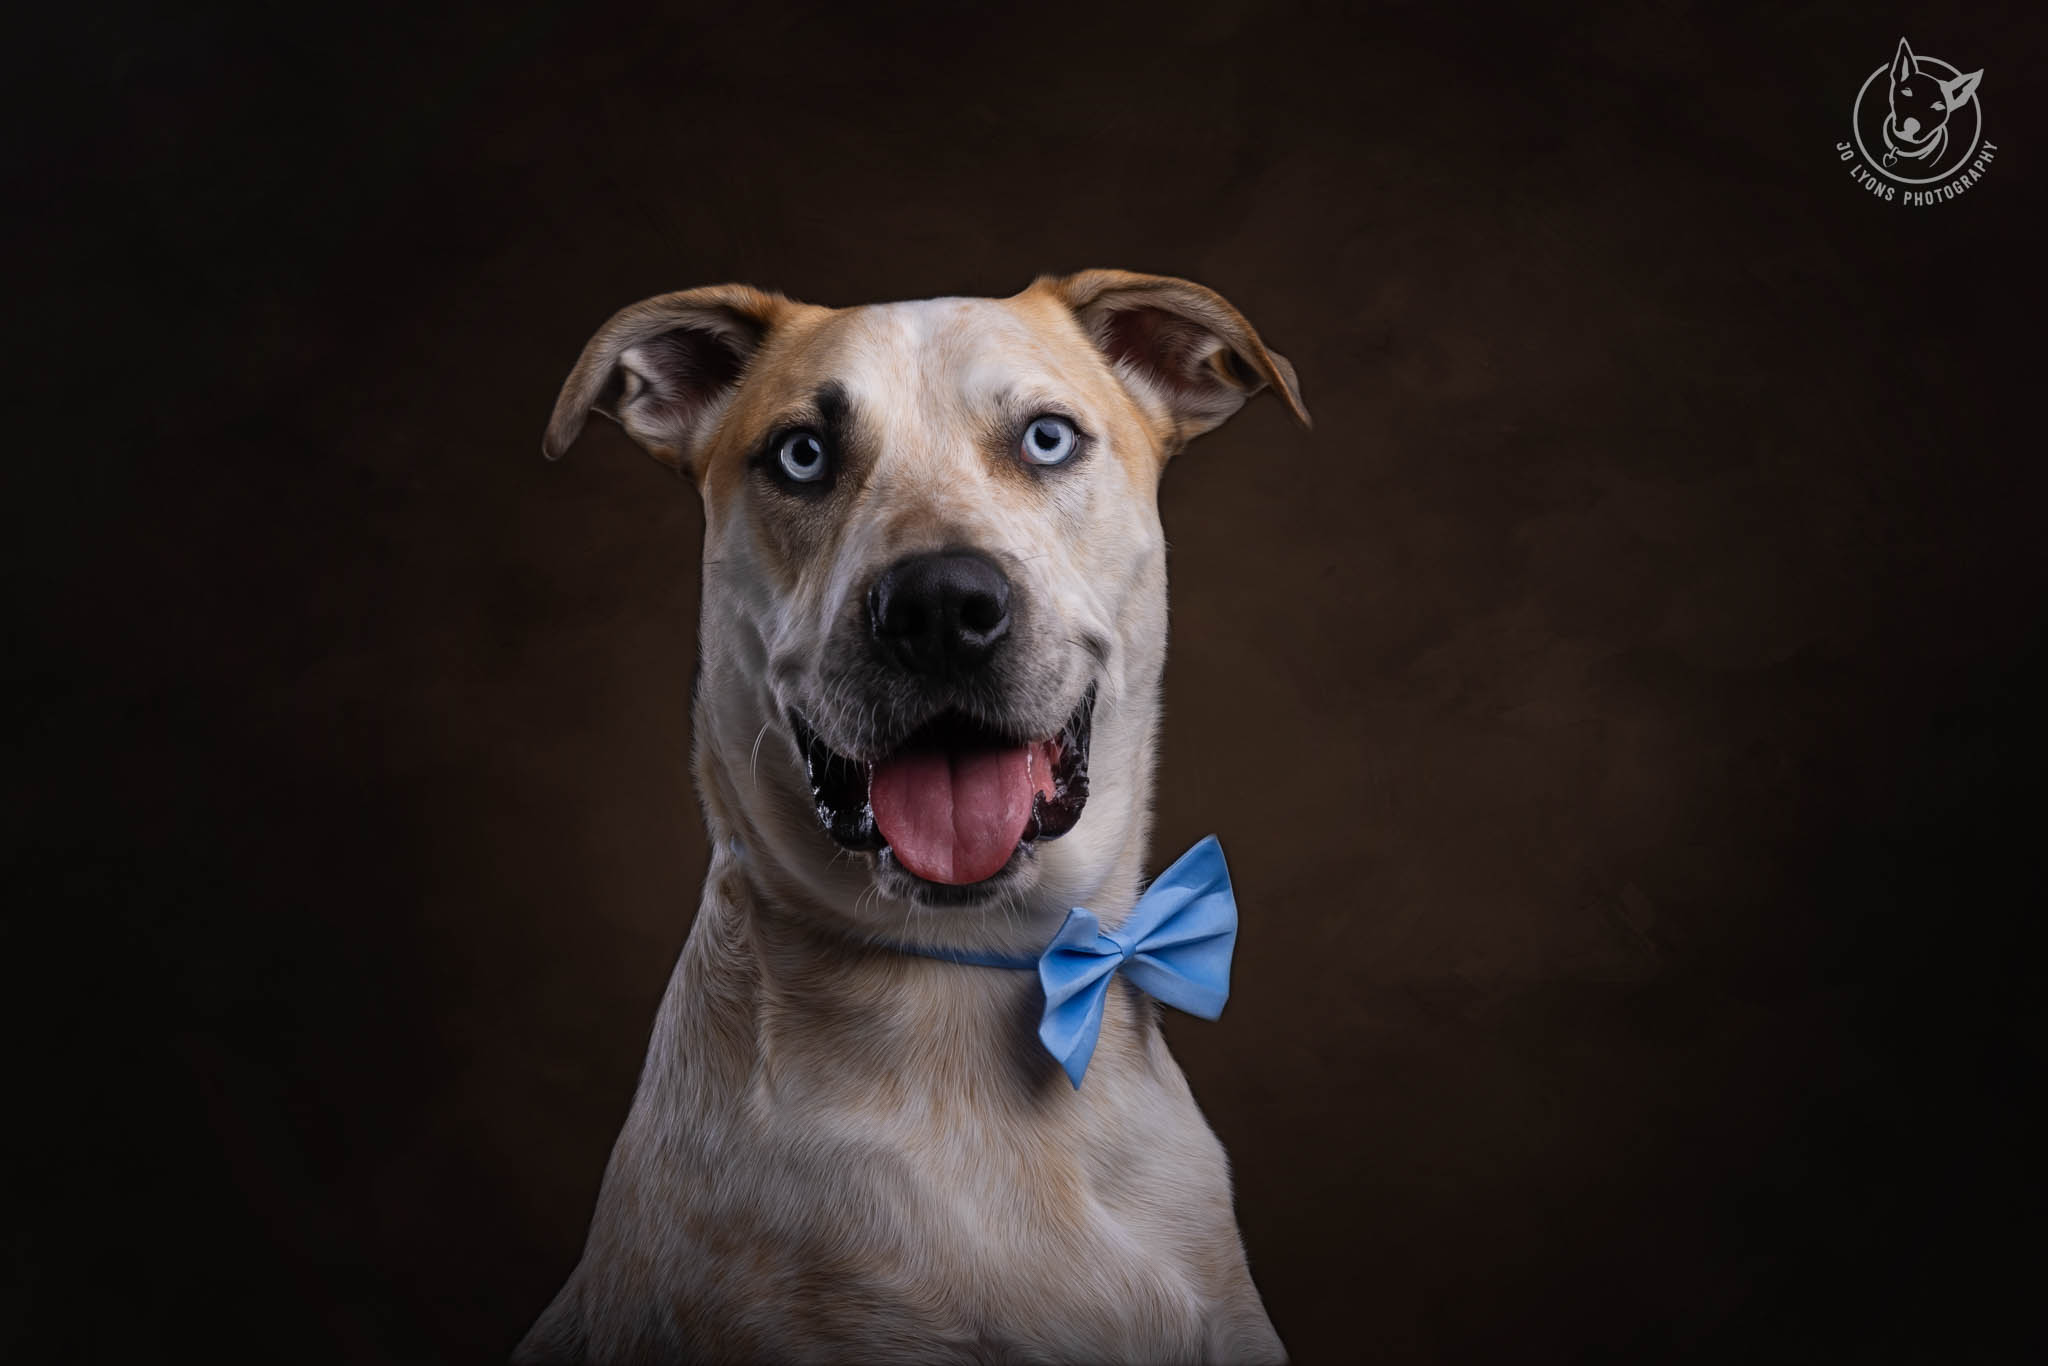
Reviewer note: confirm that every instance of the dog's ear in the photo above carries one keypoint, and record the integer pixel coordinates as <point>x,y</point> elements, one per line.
<point>664,368</point>
<point>1956,93</point>
<point>1904,67</point>
<point>1177,345</point>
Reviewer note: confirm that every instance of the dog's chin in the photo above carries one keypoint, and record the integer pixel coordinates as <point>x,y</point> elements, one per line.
<point>1039,784</point>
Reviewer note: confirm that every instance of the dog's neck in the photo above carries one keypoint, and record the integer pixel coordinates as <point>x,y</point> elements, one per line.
<point>797,1003</point>
<point>802,1015</point>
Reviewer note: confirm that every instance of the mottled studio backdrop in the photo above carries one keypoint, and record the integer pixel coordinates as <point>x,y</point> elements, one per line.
<point>1618,709</point>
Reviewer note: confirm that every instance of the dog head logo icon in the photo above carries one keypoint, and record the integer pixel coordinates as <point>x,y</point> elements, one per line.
<point>1917,119</point>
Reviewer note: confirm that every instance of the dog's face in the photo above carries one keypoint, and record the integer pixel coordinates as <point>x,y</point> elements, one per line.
<point>934,609</point>
<point>1921,101</point>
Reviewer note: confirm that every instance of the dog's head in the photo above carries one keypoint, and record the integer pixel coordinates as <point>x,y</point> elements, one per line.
<point>1921,101</point>
<point>934,610</point>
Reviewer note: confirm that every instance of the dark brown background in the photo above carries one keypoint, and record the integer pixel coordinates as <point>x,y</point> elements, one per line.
<point>1618,710</point>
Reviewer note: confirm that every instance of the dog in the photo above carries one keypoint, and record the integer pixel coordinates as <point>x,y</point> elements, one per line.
<point>925,718</point>
<point>1921,102</point>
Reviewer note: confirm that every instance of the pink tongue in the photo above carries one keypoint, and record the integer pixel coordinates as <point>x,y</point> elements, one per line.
<point>955,816</point>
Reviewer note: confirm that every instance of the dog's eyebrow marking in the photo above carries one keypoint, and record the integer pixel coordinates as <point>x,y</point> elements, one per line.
<point>827,412</point>
<point>832,408</point>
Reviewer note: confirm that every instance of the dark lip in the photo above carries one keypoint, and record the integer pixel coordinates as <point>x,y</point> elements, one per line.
<point>839,789</point>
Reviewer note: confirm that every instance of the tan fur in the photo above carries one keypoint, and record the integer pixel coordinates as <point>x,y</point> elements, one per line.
<point>841,1152</point>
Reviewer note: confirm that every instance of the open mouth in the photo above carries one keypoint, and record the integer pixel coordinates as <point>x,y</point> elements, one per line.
<point>953,802</point>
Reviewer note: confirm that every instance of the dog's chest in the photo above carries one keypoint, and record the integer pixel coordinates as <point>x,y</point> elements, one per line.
<point>1109,1223</point>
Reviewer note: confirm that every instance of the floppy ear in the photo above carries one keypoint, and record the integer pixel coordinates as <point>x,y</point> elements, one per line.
<point>1904,67</point>
<point>1178,346</point>
<point>664,368</point>
<point>1956,93</point>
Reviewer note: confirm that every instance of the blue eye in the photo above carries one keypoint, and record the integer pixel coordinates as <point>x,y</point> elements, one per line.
<point>1049,441</point>
<point>802,457</point>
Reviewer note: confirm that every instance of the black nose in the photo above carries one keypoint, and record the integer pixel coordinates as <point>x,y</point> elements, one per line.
<point>940,612</point>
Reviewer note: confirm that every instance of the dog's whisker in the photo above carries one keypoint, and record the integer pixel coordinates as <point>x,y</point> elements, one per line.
<point>909,913</point>
<point>754,760</point>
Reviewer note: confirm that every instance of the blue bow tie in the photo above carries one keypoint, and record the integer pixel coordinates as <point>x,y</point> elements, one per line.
<point>1174,945</point>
